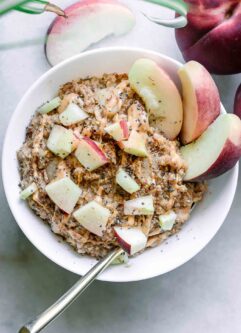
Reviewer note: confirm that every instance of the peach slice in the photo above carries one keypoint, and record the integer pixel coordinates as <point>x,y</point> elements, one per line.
<point>135,145</point>
<point>124,180</point>
<point>132,240</point>
<point>139,206</point>
<point>64,193</point>
<point>201,101</point>
<point>28,191</point>
<point>119,131</point>
<point>167,221</point>
<point>160,96</point>
<point>122,259</point>
<point>86,22</point>
<point>60,141</point>
<point>89,154</point>
<point>50,105</point>
<point>73,114</point>
<point>216,151</point>
<point>93,217</point>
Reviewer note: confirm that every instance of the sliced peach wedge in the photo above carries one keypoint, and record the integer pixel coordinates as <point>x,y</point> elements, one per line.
<point>89,154</point>
<point>132,240</point>
<point>93,217</point>
<point>86,22</point>
<point>118,131</point>
<point>160,95</point>
<point>135,145</point>
<point>60,141</point>
<point>216,151</point>
<point>64,193</point>
<point>201,101</point>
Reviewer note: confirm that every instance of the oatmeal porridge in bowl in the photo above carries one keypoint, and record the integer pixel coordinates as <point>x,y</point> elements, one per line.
<point>156,169</point>
<point>107,161</point>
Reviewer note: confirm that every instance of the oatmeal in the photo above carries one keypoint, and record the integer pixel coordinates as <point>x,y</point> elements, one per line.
<point>154,167</point>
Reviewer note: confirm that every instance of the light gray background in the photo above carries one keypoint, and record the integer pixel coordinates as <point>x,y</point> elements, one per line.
<point>204,295</point>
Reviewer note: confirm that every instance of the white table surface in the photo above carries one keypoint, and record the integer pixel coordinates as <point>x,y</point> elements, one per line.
<point>204,295</point>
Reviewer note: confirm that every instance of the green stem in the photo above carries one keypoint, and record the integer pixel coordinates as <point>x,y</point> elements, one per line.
<point>30,7</point>
<point>178,6</point>
<point>6,6</point>
<point>33,7</point>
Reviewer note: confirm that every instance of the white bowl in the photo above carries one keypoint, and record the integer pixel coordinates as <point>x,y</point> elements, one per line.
<point>206,218</point>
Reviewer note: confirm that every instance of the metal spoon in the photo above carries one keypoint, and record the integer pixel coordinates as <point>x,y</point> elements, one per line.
<point>37,324</point>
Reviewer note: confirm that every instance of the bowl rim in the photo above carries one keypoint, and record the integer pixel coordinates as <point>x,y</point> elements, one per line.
<point>12,120</point>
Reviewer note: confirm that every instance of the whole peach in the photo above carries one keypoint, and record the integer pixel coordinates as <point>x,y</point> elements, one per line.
<point>213,35</point>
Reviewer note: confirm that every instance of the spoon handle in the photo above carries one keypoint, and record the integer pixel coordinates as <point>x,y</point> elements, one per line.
<point>37,324</point>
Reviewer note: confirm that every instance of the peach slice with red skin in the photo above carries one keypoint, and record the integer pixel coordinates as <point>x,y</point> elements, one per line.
<point>89,154</point>
<point>216,151</point>
<point>86,22</point>
<point>135,145</point>
<point>125,129</point>
<point>119,131</point>
<point>201,101</point>
<point>132,240</point>
<point>237,102</point>
<point>160,95</point>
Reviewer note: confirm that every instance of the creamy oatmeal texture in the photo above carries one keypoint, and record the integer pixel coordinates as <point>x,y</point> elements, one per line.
<point>106,100</point>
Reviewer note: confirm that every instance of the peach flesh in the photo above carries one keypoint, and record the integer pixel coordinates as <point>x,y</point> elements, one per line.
<point>201,100</point>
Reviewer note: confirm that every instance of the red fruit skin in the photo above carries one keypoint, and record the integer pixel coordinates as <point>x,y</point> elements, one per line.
<point>125,246</point>
<point>211,36</point>
<point>208,101</point>
<point>237,102</point>
<point>125,129</point>
<point>227,159</point>
<point>59,22</point>
<point>95,148</point>
<point>71,13</point>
